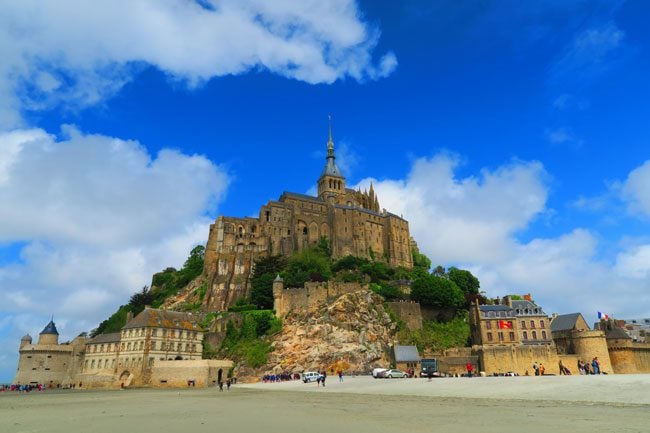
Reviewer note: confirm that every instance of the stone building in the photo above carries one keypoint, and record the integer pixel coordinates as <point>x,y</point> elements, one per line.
<point>512,336</point>
<point>156,348</point>
<point>573,336</point>
<point>130,355</point>
<point>351,220</point>
<point>48,362</point>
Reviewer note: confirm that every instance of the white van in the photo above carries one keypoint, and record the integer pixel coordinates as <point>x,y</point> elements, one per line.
<point>310,376</point>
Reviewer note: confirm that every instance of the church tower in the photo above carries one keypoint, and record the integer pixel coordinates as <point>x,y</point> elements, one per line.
<point>331,183</point>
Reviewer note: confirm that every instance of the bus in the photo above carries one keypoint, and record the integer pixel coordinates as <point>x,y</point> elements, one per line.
<point>427,366</point>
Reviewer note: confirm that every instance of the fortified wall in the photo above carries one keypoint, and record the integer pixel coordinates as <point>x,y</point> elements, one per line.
<point>409,313</point>
<point>518,359</point>
<point>628,357</point>
<point>312,294</point>
<point>585,345</point>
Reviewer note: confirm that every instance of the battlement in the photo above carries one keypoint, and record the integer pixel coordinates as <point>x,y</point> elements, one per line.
<point>310,295</point>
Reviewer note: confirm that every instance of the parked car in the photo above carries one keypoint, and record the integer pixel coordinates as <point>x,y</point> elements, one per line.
<point>310,376</point>
<point>395,373</point>
<point>378,372</point>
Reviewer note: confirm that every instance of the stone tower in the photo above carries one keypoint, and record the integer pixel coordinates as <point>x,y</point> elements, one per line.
<point>331,183</point>
<point>49,335</point>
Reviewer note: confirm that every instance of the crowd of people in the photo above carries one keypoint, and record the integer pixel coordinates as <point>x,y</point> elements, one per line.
<point>23,388</point>
<point>280,377</point>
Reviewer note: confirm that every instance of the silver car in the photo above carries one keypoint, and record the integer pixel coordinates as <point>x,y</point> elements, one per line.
<point>394,373</point>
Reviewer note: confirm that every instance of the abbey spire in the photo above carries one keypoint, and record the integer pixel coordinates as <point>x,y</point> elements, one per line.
<point>331,182</point>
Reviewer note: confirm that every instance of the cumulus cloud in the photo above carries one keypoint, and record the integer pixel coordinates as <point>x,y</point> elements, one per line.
<point>478,223</point>
<point>636,190</point>
<point>72,52</point>
<point>97,216</point>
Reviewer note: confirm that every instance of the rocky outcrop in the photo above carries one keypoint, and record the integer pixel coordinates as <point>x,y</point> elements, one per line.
<point>351,332</point>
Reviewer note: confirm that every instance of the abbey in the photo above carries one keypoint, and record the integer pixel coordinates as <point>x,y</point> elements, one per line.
<point>351,220</point>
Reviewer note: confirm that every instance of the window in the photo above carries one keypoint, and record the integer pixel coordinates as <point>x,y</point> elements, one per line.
<point>532,324</point>
<point>523,324</point>
<point>268,216</point>
<point>500,336</point>
<point>489,336</point>
<point>541,324</point>
<point>488,325</point>
<point>512,336</point>
<point>511,325</point>
<point>534,335</point>
<point>544,335</point>
<point>525,335</point>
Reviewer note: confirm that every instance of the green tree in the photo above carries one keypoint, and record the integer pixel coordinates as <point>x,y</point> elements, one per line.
<point>140,299</point>
<point>439,271</point>
<point>307,265</point>
<point>420,260</point>
<point>266,269</point>
<point>434,291</point>
<point>467,282</point>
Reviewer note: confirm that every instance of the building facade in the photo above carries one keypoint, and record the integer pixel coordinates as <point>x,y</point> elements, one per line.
<point>351,220</point>
<point>156,348</point>
<point>47,362</point>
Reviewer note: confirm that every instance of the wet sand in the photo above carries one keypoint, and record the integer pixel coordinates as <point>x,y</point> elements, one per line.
<point>359,404</point>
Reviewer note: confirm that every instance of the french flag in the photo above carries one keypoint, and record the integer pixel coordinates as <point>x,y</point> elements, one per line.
<point>603,316</point>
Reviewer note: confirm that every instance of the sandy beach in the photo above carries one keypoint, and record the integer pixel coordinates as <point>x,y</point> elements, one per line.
<point>359,404</point>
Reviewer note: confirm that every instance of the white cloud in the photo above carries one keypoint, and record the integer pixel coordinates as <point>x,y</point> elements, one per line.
<point>77,53</point>
<point>98,217</point>
<point>476,223</point>
<point>636,190</point>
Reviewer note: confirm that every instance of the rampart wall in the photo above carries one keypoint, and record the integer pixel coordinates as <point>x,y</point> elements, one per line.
<point>628,357</point>
<point>313,293</point>
<point>518,359</point>
<point>199,373</point>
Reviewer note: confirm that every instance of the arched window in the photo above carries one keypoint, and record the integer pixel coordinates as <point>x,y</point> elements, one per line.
<point>544,335</point>
<point>304,231</point>
<point>541,324</point>
<point>525,335</point>
<point>534,335</point>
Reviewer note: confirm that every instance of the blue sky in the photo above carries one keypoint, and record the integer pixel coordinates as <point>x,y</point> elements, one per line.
<point>512,135</point>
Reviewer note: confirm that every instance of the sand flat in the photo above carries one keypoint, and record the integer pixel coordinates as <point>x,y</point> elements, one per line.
<point>358,404</point>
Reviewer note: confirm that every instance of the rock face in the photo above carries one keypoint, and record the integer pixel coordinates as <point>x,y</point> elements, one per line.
<point>352,332</point>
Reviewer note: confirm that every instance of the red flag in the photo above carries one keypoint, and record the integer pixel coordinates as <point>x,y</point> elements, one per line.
<point>504,325</point>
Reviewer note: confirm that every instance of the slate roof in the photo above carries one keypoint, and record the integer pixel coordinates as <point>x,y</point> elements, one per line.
<point>331,169</point>
<point>494,308</point>
<point>406,354</point>
<point>50,328</point>
<point>564,322</point>
<point>531,306</point>
<point>153,318</point>
<point>301,196</point>
<point>112,337</point>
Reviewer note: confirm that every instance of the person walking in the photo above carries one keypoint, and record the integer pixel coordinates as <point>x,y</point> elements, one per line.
<point>595,365</point>
<point>220,386</point>
<point>536,368</point>
<point>228,383</point>
<point>340,376</point>
<point>324,377</point>
<point>470,369</point>
<point>541,369</point>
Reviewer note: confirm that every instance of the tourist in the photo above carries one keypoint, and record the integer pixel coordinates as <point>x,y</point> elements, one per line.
<point>541,369</point>
<point>536,368</point>
<point>324,377</point>
<point>340,376</point>
<point>220,386</point>
<point>228,383</point>
<point>595,365</point>
<point>470,369</point>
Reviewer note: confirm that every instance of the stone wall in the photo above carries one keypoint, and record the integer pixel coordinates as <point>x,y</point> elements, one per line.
<point>629,357</point>
<point>202,373</point>
<point>518,359</point>
<point>50,364</point>
<point>586,345</point>
<point>312,294</point>
<point>409,313</point>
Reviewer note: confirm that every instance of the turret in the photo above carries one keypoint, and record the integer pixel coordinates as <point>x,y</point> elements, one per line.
<point>331,183</point>
<point>49,334</point>
<point>278,286</point>
<point>27,339</point>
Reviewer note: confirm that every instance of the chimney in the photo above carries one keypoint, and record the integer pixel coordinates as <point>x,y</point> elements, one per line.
<point>129,316</point>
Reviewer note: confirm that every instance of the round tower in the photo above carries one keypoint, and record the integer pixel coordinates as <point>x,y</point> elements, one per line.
<point>27,339</point>
<point>49,335</point>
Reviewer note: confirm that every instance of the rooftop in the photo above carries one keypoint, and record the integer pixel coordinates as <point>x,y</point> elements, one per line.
<point>153,318</point>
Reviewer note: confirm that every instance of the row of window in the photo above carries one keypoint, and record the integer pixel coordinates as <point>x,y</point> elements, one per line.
<point>139,345</point>
<point>542,324</point>
<point>511,336</point>
<point>140,332</point>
